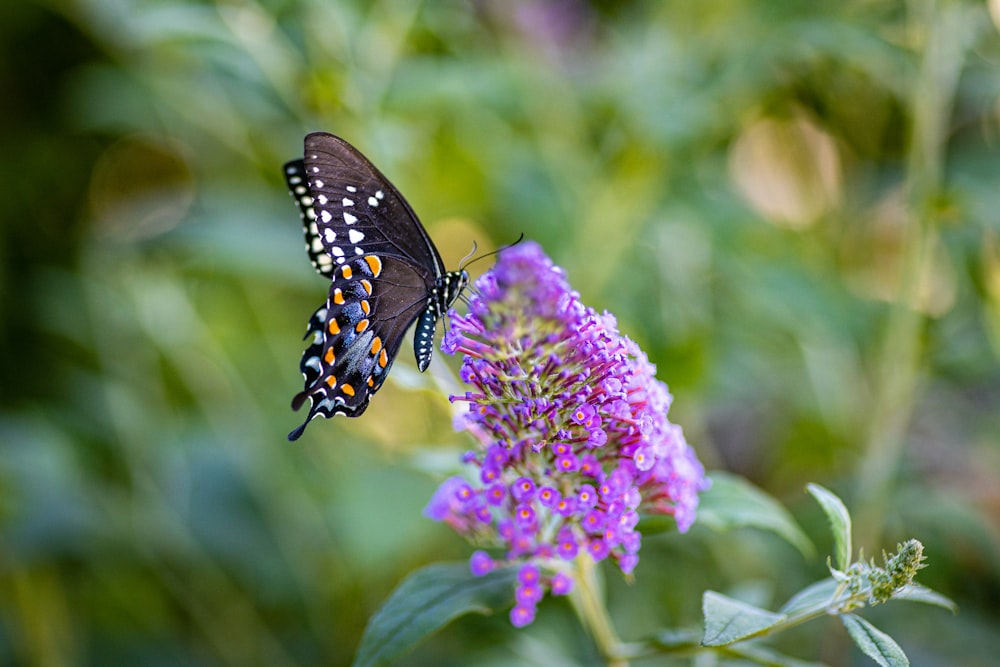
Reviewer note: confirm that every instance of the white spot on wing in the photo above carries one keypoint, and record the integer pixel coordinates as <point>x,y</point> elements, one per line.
<point>347,202</point>
<point>351,188</point>
<point>337,252</point>
<point>355,236</point>
<point>330,235</point>
<point>348,218</point>
<point>380,194</point>
<point>325,215</point>
<point>372,201</point>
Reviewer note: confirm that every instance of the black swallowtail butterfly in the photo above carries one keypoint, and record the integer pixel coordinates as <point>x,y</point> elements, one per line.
<point>386,273</point>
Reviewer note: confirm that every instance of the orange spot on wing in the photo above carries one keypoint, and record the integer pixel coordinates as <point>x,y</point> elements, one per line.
<point>361,326</point>
<point>331,381</point>
<point>333,328</point>
<point>376,345</point>
<point>371,381</point>
<point>329,357</point>
<point>365,306</point>
<point>368,286</point>
<point>338,297</point>
<point>347,389</point>
<point>375,264</point>
<point>346,272</point>
<point>383,359</point>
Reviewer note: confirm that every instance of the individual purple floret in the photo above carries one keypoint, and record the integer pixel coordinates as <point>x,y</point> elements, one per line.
<point>573,437</point>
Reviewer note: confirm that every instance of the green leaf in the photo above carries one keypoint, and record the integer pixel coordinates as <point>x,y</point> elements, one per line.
<point>767,656</point>
<point>728,620</point>
<point>427,601</point>
<point>732,502</point>
<point>812,596</point>
<point>918,593</point>
<point>877,645</point>
<point>840,524</point>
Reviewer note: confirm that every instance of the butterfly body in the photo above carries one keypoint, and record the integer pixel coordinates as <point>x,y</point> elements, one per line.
<point>385,274</point>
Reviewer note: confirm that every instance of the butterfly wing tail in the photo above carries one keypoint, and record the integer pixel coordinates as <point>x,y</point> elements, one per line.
<point>317,408</point>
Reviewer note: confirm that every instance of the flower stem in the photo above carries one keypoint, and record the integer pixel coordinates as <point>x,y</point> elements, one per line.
<point>948,31</point>
<point>587,599</point>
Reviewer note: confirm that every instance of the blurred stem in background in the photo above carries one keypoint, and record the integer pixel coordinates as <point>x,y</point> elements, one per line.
<point>946,30</point>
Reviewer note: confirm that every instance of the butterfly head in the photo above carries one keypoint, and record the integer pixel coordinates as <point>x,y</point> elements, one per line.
<point>454,283</point>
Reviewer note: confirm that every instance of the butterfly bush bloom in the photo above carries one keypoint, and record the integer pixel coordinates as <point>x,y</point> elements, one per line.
<point>573,437</point>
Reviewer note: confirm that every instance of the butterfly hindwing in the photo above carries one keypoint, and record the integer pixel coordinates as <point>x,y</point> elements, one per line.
<point>356,335</point>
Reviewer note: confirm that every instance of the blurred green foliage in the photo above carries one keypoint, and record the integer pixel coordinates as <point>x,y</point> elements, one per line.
<point>792,206</point>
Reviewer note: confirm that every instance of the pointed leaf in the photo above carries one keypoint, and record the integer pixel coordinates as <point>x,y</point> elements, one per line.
<point>427,601</point>
<point>732,502</point>
<point>877,645</point>
<point>919,593</point>
<point>813,596</point>
<point>728,620</point>
<point>840,524</point>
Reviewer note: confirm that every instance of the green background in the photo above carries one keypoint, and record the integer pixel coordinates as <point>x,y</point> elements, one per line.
<point>794,207</point>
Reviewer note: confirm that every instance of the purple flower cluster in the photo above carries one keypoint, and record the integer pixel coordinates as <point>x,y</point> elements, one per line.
<point>573,432</point>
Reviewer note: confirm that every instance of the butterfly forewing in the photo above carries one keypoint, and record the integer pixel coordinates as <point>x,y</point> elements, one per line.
<point>298,187</point>
<point>358,211</point>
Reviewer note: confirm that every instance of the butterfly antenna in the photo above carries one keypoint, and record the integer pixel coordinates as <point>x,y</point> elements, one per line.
<point>471,253</point>
<point>463,265</point>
